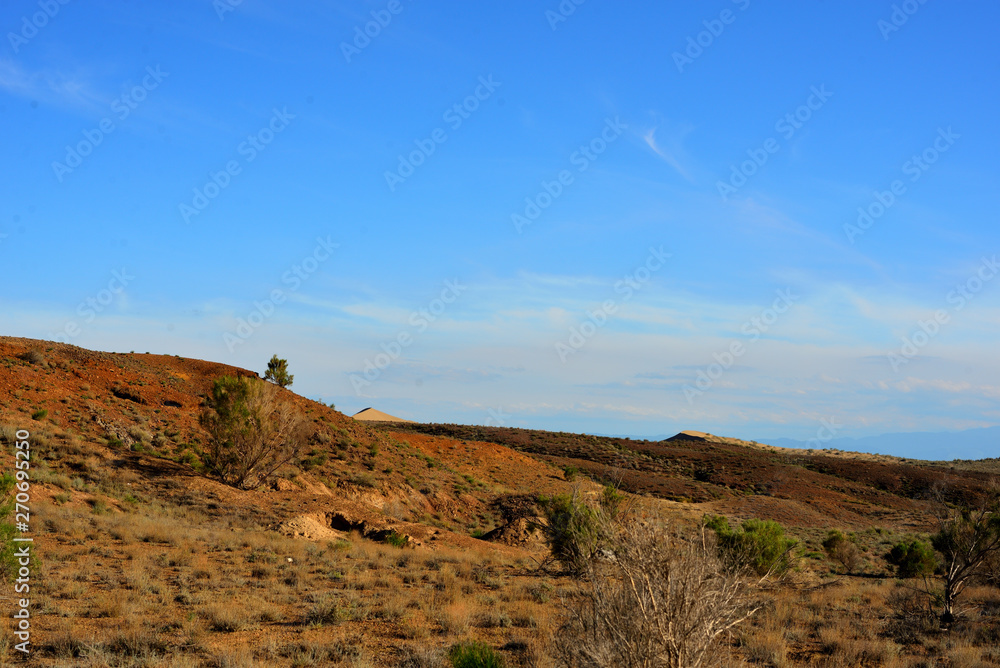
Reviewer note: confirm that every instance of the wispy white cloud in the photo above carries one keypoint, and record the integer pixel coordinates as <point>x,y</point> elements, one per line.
<point>670,152</point>
<point>51,87</point>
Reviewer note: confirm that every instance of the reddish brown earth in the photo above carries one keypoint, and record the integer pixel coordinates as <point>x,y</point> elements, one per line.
<point>794,487</point>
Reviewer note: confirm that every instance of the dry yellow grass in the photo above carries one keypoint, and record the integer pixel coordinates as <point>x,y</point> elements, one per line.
<point>254,597</point>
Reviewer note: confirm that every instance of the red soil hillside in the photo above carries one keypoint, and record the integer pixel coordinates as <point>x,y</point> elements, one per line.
<point>139,412</point>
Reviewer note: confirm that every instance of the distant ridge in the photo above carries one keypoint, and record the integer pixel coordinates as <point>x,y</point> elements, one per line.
<point>981,443</point>
<point>372,415</point>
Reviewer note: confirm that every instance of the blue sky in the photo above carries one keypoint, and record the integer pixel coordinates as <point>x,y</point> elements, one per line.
<point>571,216</point>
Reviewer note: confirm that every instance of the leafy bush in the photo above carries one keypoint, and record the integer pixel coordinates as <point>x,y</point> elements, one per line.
<point>576,531</point>
<point>253,432</point>
<point>397,539</point>
<point>843,550</point>
<point>140,435</point>
<point>312,462</point>
<point>475,655</point>
<point>913,559</point>
<point>570,473</point>
<point>8,562</point>
<point>39,414</point>
<point>760,545</point>
<point>33,357</point>
<point>364,480</point>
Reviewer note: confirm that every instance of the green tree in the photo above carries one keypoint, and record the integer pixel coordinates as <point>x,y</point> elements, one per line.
<point>252,431</point>
<point>577,531</point>
<point>760,545</point>
<point>913,559</point>
<point>277,372</point>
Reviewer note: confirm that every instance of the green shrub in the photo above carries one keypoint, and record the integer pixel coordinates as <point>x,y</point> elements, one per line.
<point>475,655</point>
<point>760,545</point>
<point>397,539</point>
<point>99,507</point>
<point>575,531</point>
<point>913,559</point>
<point>39,414</point>
<point>253,431</point>
<point>842,549</point>
<point>310,463</point>
<point>571,472</point>
<point>364,480</point>
<point>33,357</point>
<point>8,561</point>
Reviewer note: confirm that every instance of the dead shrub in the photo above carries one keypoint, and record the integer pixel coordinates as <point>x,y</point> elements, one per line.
<point>913,617</point>
<point>659,600</point>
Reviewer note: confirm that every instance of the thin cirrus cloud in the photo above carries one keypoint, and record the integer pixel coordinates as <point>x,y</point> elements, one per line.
<point>669,154</point>
<point>51,87</point>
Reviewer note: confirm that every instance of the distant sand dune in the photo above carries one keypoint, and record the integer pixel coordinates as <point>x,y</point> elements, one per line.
<point>372,415</point>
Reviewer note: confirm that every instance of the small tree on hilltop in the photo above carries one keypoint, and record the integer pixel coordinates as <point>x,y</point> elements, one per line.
<point>277,372</point>
<point>252,431</point>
